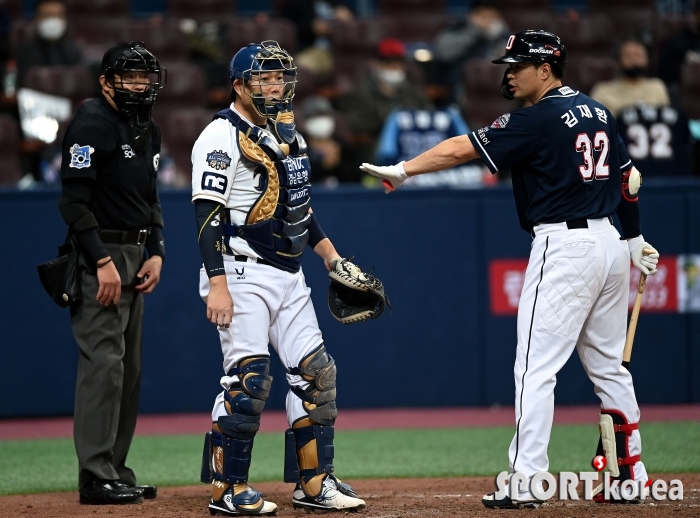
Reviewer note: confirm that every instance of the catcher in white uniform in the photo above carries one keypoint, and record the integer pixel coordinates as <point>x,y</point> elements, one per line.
<point>251,190</point>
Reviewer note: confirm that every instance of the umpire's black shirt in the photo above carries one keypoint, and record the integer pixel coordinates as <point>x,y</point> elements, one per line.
<point>107,183</point>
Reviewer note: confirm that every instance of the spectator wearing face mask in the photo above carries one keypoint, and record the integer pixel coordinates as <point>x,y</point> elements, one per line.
<point>634,87</point>
<point>384,90</point>
<point>50,46</point>
<point>329,156</point>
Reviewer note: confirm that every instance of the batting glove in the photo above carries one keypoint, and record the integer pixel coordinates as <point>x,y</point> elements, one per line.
<point>646,263</point>
<point>392,176</point>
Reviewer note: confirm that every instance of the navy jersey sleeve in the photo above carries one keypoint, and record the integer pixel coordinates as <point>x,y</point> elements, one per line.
<point>625,160</point>
<point>88,145</point>
<point>511,138</point>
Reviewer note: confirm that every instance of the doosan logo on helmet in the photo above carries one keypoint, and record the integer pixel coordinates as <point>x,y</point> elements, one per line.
<point>541,51</point>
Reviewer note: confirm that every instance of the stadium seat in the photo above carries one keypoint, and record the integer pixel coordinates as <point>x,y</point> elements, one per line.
<point>97,8</point>
<point>164,39</point>
<point>690,89</point>
<point>180,128</point>
<point>14,7</point>
<point>483,101</point>
<point>242,31</point>
<point>585,71</point>
<point>420,27</point>
<point>521,20</point>
<point>409,7</point>
<point>606,5</point>
<point>533,5</point>
<point>74,82</point>
<point>186,87</point>
<point>592,34</point>
<point>361,35</point>
<point>10,168</point>
<point>201,10</point>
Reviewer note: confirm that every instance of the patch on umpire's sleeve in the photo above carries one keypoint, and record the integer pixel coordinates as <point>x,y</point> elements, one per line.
<point>214,182</point>
<point>80,156</point>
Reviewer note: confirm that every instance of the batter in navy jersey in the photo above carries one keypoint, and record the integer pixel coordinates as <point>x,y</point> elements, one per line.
<point>571,173</point>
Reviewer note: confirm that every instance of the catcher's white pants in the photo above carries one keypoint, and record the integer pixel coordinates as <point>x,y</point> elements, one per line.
<point>574,296</point>
<point>270,306</point>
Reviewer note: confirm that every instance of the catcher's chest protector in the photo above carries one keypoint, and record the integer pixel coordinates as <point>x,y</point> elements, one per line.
<point>276,225</point>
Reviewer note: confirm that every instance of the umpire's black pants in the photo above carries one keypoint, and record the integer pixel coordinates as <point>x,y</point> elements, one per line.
<point>109,370</point>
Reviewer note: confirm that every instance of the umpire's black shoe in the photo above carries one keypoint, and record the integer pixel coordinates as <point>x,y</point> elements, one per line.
<point>101,492</point>
<point>492,502</point>
<point>149,492</point>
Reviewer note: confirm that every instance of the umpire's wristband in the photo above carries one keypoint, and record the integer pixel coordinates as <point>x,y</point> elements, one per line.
<point>316,233</point>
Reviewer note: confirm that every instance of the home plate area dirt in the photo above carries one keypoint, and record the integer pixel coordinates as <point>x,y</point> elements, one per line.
<point>388,498</point>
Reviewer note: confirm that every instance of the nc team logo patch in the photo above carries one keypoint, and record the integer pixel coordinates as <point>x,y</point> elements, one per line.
<point>218,160</point>
<point>501,121</point>
<point>214,182</point>
<point>80,156</point>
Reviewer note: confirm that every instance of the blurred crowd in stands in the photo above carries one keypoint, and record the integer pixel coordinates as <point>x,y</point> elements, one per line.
<point>370,88</point>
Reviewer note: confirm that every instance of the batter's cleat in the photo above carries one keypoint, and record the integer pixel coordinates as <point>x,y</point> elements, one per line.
<point>615,497</point>
<point>492,502</point>
<point>241,499</point>
<point>335,496</point>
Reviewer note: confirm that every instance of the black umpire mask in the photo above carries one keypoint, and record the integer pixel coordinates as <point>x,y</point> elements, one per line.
<point>139,131</point>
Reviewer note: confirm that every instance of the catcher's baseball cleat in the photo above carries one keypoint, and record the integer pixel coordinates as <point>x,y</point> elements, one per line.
<point>492,502</point>
<point>335,496</point>
<point>245,502</point>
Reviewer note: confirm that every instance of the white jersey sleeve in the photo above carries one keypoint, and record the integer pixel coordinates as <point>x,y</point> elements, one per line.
<point>215,158</point>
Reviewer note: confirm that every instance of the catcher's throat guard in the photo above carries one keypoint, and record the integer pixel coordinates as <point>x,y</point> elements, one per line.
<point>353,295</point>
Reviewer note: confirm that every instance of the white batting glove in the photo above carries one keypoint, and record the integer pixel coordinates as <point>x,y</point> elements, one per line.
<point>392,176</point>
<point>646,263</point>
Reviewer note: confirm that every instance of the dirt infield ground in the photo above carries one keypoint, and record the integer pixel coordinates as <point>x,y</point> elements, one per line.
<point>389,498</point>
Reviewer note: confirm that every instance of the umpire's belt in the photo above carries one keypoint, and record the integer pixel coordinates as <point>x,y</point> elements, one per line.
<point>594,225</point>
<point>125,237</point>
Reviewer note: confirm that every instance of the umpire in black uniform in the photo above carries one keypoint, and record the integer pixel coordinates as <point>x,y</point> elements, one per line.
<point>110,202</point>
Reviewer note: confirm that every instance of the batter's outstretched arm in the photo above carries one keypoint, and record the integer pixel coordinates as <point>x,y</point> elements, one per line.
<point>448,153</point>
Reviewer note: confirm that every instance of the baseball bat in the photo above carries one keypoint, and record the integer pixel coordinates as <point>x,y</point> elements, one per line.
<point>632,328</point>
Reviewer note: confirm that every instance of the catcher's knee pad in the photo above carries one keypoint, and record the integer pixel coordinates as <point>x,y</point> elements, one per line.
<point>228,447</point>
<point>309,455</point>
<point>318,399</point>
<point>615,433</point>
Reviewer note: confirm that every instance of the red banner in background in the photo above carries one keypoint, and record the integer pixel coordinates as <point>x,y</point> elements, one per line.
<point>506,277</point>
<point>660,290</point>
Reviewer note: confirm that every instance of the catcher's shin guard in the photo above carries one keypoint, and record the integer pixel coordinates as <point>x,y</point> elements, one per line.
<point>615,432</point>
<point>228,447</point>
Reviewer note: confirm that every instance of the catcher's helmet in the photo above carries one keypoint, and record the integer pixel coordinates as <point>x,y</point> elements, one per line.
<point>535,47</point>
<point>133,57</point>
<point>267,56</point>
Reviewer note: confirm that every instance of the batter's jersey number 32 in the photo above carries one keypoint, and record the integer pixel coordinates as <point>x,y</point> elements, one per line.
<point>600,143</point>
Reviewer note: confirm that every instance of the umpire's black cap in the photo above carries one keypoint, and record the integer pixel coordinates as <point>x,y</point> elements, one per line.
<point>535,47</point>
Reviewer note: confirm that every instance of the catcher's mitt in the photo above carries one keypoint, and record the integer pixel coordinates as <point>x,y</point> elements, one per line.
<point>353,295</point>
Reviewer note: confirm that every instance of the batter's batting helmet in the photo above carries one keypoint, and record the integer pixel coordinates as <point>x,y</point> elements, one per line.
<point>133,57</point>
<point>535,47</point>
<point>267,56</point>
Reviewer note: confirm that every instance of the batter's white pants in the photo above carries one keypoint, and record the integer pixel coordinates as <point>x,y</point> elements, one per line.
<point>270,306</point>
<point>574,296</point>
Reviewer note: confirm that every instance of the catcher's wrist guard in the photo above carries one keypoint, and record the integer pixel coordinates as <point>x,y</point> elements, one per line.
<point>353,295</point>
